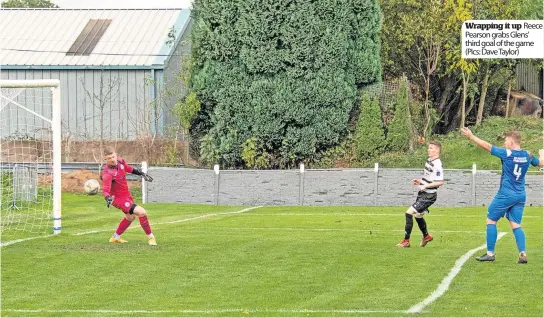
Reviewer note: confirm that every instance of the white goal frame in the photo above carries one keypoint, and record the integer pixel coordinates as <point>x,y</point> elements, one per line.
<point>55,121</point>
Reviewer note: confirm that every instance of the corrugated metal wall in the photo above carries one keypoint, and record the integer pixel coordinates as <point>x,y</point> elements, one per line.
<point>19,124</point>
<point>121,96</point>
<point>172,71</point>
<point>529,79</point>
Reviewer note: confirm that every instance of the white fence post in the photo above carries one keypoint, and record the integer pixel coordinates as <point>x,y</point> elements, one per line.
<point>474,170</point>
<point>216,172</point>
<point>144,183</point>
<point>376,171</point>
<point>301,185</point>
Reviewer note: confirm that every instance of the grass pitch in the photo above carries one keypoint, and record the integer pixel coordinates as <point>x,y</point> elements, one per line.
<point>268,261</point>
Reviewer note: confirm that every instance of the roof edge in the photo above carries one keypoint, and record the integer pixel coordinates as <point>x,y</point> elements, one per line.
<point>181,23</point>
<point>81,67</point>
<point>90,9</point>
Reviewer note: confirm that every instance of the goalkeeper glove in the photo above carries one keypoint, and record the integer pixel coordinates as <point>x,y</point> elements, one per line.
<point>147,177</point>
<point>109,200</point>
<point>143,174</point>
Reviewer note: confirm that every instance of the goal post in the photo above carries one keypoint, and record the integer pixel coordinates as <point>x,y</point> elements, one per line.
<point>30,137</point>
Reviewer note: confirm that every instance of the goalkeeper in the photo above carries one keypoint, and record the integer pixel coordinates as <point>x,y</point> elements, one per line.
<point>116,193</point>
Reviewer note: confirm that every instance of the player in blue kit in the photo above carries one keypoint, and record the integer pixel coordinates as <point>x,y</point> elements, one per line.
<point>510,199</point>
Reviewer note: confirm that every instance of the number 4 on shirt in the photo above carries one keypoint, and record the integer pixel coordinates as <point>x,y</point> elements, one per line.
<point>517,171</point>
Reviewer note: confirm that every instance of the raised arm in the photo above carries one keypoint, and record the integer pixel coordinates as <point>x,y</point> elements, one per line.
<point>479,142</point>
<point>136,171</point>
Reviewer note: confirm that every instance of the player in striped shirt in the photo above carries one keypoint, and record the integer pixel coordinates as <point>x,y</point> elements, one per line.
<point>433,178</point>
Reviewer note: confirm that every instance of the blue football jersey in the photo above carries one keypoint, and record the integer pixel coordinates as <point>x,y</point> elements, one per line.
<point>515,164</point>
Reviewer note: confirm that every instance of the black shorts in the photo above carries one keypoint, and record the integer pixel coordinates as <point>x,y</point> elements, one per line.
<point>424,201</point>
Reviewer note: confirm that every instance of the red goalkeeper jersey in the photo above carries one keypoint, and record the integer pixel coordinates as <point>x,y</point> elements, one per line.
<point>114,179</point>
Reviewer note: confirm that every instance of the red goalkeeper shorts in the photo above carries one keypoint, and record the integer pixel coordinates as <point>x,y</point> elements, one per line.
<point>125,204</point>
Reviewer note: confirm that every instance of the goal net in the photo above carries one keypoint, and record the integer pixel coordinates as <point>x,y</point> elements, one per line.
<point>30,155</point>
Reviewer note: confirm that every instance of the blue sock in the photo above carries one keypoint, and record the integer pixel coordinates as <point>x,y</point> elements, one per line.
<point>519,234</point>
<point>491,236</point>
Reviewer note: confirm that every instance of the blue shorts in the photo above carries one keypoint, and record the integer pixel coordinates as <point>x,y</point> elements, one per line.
<point>509,206</point>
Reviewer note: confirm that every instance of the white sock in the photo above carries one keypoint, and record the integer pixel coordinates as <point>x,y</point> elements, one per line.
<point>116,236</point>
<point>150,235</point>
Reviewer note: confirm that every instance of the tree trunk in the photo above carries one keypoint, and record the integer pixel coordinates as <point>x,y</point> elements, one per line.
<point>507,111</point>
<point>496,102</point>
<point>481,105</point>
<point>463,100</point>
<point>513,107</point>
<point>427,110</point>
<point>470,104</point>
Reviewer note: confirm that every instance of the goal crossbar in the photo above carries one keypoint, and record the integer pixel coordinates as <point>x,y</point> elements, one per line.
<point>29,83</point>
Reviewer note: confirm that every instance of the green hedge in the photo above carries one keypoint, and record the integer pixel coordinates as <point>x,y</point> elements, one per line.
<point>369,137</point>
<point>283,72</point>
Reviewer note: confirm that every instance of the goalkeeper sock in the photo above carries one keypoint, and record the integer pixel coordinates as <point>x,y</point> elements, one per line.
<point>145,224</point>
<point>123,225</point>
<point>519,234</point>
<point>491,237</point>
<point>422,226</point>
<point>408,227</point>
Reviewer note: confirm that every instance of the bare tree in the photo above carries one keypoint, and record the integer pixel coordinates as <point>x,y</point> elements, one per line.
<point>108,91</point>
<point>485,85</point>
<point>429,55</point>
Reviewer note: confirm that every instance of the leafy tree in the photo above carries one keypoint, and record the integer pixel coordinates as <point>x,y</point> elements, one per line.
<point>28,4</point>
<point>187,109</point>
<point>421,39</point>
<point>399,132</point>
<point>461,11</point>
<point>283,72</point>
<point>369,137</point>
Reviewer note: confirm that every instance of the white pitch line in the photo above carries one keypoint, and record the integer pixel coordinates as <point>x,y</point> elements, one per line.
<point>204,311</point>
<point>2,244</point>
<point>179,221</point>
<point>343,311</point>
<point>210,215</point>
<point>323,229</point>
<point>445,284</point>
<point>401,214</point>
<point>91,232</point>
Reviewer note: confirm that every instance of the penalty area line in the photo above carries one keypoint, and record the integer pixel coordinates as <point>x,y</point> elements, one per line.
<point>446,282</point>
<point>210,215</point>
<point>203,216</point>
<point>373,230</point>
<point>2,244</point>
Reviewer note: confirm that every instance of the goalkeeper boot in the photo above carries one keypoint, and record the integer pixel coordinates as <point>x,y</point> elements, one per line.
<point>426,240</point>
<point>522,258</point>
<point>151,241</point>
<point>119,240</point>
<point>403,243</point>
<point>486,258</point>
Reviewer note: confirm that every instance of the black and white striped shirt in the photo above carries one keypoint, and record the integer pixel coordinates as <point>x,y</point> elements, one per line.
<point>433,172</point>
